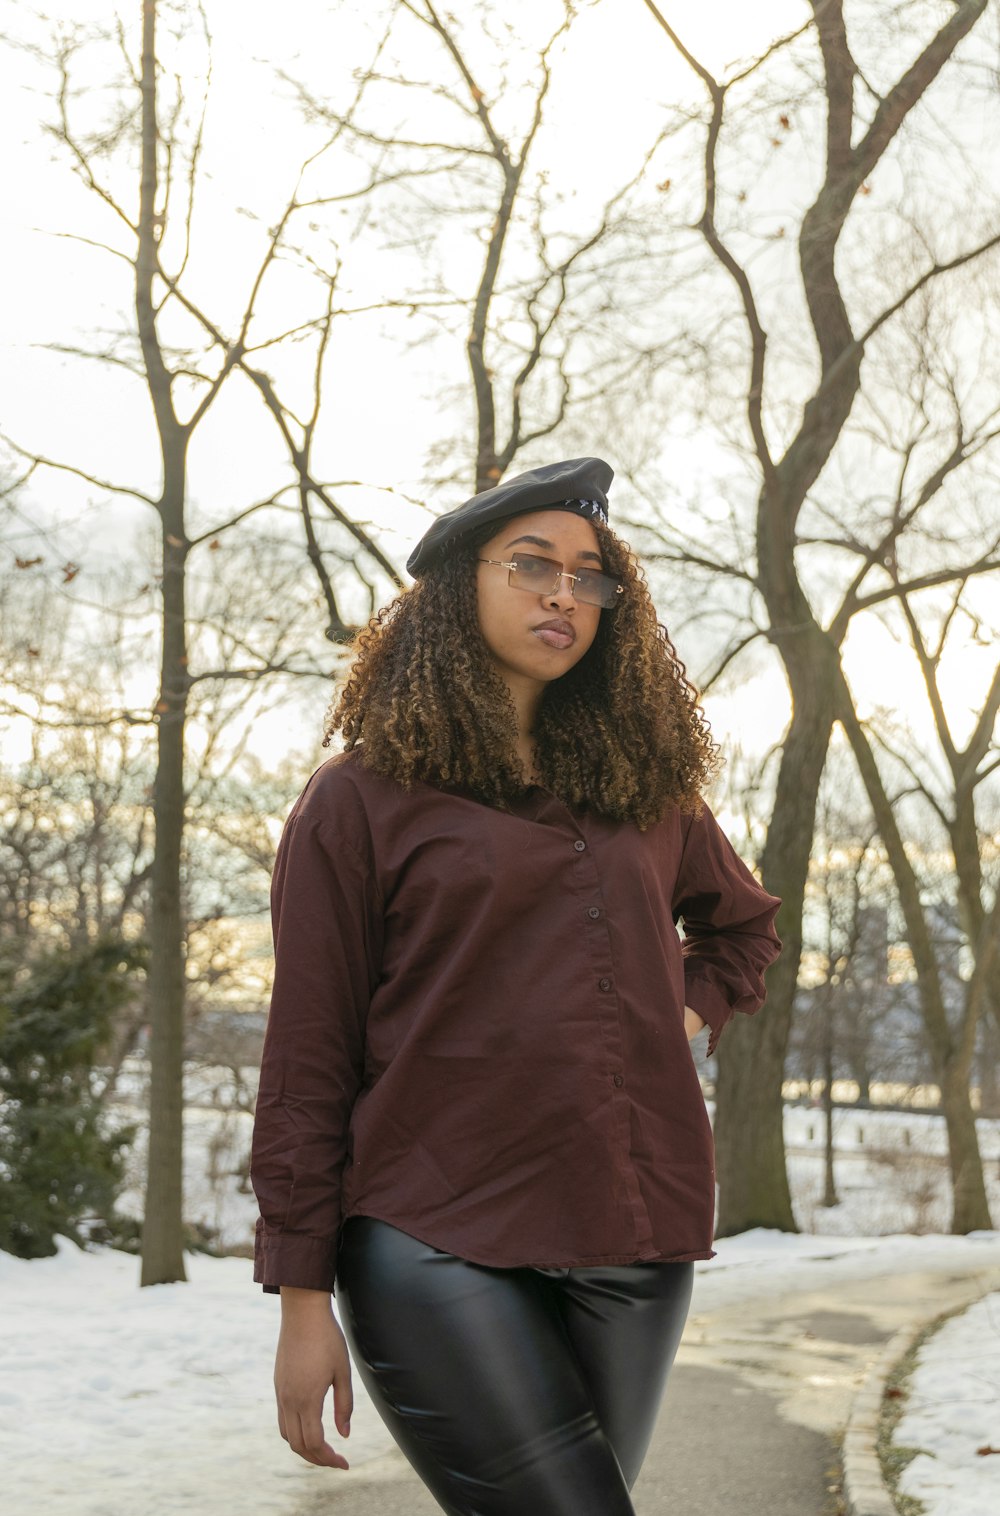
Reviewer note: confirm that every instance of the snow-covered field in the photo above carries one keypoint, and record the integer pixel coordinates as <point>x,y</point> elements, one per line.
<point>115,1400</point>
<point>953,1414</point>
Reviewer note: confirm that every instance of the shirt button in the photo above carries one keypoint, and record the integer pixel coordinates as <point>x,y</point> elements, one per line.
<point>579,845</point>
<point>618,1081</point>
<point>593,913</point>
<point>605,984</point>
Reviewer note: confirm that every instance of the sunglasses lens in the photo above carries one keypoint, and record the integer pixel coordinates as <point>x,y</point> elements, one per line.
<point>596,589</point>
<point>535,574</point>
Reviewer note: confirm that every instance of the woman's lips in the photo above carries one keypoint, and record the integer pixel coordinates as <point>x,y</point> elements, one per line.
<point>561,636</point>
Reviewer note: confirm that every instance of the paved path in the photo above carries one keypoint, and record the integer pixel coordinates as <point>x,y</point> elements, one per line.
<point>757,1400</point>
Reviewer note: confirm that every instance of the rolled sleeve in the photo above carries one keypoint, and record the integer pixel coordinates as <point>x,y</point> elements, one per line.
<point>326,916</point>
<point>728,922</point>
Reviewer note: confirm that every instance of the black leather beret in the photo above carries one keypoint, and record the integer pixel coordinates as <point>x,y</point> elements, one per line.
<point>576,484</point>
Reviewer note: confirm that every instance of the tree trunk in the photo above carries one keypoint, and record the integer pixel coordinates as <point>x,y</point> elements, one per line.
<point>970,1206</point>
<point>163,1227</point>
<point>749,1139</point>
<point>829,1178</point>
<point>989,1070</point>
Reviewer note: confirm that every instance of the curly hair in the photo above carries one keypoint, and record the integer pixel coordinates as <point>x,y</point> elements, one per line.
<point>621,733</point>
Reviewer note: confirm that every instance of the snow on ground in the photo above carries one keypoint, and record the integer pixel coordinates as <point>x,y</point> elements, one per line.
<point>763,1262</point>
<point>115,1400</point>
<point>952,1415</point>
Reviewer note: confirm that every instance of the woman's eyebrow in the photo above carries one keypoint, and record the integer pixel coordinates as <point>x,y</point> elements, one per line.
<point>541,542</point>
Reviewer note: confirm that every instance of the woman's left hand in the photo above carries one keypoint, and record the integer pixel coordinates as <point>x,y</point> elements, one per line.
<point>692,1022</point>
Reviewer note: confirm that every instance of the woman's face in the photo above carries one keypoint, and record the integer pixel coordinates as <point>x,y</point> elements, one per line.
<point>533,636</point>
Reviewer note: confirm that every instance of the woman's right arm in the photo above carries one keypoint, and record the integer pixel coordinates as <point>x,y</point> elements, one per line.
<point>327,924</point>
<point>312,1355</point>
<point>327,921</point>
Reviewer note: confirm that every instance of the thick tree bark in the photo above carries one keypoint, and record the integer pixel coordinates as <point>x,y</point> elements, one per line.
<point>970,1206</point>
<point>749,1140</point>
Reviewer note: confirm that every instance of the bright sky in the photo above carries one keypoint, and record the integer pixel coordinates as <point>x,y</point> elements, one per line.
<point>383,411</point>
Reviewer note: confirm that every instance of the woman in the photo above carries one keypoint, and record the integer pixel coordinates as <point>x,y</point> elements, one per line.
<point>478,1111</point>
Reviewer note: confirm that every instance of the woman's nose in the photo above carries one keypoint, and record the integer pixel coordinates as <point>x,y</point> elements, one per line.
<point>562,596</point>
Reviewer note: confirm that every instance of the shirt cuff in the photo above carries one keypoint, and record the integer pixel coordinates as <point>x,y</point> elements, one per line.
<point>711,1005</point>
<point>295,1259</point>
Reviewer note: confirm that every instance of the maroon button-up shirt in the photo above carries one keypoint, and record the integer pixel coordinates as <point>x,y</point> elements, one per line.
<point>477,1026</point>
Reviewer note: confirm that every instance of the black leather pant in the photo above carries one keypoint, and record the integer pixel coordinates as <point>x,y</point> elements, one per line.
<point>512,1392</point>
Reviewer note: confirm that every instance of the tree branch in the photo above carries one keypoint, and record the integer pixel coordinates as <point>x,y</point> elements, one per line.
<point>68,468</point>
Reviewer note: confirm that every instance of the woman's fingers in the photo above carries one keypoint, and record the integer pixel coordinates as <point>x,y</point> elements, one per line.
<point>311,1356</point>
<point>343,1400</point>
<point>308,1441</point>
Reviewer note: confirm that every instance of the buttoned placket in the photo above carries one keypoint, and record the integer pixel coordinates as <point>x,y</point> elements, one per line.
<point>586,881</point>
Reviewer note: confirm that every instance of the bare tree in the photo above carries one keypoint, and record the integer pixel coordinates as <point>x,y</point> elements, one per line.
<point>550,330</point>
<point>792,442</point>
<point>183,380</point>
<point>968,767</point>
